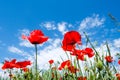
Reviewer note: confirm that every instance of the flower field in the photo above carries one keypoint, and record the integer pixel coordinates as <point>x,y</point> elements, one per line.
<point>81,64</point>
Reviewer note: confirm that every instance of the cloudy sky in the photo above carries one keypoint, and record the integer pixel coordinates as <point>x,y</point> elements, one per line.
<point>54,18</point>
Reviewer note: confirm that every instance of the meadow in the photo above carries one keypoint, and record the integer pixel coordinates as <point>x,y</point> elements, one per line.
<point>83,63</point>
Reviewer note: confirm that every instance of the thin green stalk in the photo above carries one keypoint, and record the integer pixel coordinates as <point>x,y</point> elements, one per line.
<point>10,75</point>
<point>36,61</point>
<point>97,55</point>
<point>79,66</point>
<point>92,45</point>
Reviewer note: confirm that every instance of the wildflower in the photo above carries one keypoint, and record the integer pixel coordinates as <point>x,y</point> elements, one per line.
<point>73,69</point>
<point>23,64</point>
<point>81,53</point>
<point>119,62</point>
<point>109,59</point>
<point>65,64</point>
<point>78,53</point>
<point>60,78</point>
<point>118,76</point>
<point>36,37</point>
<point>80,56</point>
<point>25,69</point>
<point>51,61</point>
<point>82,78</point>
<point>9,64</point>
<point>70,39</point>
<point>89,52</point>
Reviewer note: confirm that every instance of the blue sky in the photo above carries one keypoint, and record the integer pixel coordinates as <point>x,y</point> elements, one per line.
<point>54,18</point>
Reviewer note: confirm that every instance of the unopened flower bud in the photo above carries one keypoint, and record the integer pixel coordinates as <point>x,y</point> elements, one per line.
<point>99,65</point>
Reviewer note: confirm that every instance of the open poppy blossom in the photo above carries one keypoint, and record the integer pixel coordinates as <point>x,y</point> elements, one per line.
<point>36,37</point>
<point>51,61</point>
<point>73,69</point>
<point>79,54</point>
<point>70,39</point>
<point>64,64</point>
<point>109,59</point>
<point>118,76</point>
<point>119,62</point>
<point>89,52</point>
<point>25,69</point>
<point>82,78</point>
<point>9,64</point>
<point>23,64</point>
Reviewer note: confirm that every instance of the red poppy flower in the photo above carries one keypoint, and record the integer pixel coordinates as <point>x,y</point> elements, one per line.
<point>70,39</point>
<point>109,59</point>
<point>89,52</point>
<point>82,78</point>
<point>79,54</point>
<point>64,64</point>
<point>51,61</point>
<point>25,69</point>
<point>23,64</point>
<point>72,69</point>
<point>119,62</point>
<point>60,78</point>
<point>36,37</point>
<point>9,64</point>
<point>118,76</point>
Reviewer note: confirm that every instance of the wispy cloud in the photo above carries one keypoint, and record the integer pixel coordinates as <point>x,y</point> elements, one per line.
<point>48,25</point>
<point>24,31</point>
<point>91,22</point>
<point>117,42</point>
<point>62,27</point>
<point>15,50</point>
<point>18,51</point>
<point>26,43</point>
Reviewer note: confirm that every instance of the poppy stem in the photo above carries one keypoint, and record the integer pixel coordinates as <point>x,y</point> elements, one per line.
<point>36,60</point>
<point>10,75</point>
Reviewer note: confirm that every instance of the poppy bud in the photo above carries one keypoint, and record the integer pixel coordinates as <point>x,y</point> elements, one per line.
<point>99,65</point>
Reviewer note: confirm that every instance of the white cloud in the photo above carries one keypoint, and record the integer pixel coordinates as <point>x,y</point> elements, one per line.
<point>47,54</point>
<point>14,50</point>
<point>62,27</point>
<point>48,25</point>
<point>56,42</point>
<point>26,43</point>
<point>117,42</point>
<point>18,51</point>
<point>91,22</point>
<point>24,31</point>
